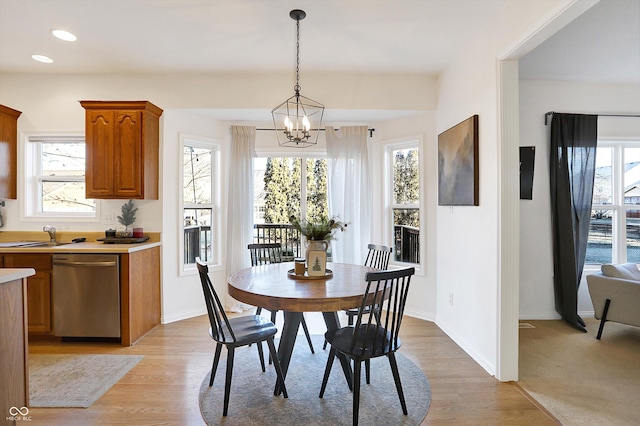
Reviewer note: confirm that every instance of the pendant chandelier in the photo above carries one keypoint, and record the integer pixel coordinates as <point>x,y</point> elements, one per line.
<point>298,112</point>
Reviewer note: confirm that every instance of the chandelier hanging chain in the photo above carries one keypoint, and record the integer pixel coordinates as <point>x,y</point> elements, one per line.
<point>296,88</point>
<point>297,111</point>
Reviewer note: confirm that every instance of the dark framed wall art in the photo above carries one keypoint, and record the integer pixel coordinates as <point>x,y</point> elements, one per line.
<point>527,160</point>
<point>458,164</point>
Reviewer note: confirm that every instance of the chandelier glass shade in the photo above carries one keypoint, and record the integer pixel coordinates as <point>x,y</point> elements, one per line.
<point>292,118</point>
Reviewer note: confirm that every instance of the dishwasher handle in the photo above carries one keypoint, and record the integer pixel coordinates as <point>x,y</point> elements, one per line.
<point>108,263</point>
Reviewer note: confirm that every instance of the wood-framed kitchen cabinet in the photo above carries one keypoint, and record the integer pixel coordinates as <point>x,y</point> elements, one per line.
<point>9,152</point>
<point>122,148</point>
<point>14,354</point>
<point>139,293</point>
<point>38,289</point>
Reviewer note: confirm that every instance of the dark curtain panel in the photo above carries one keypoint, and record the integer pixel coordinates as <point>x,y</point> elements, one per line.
<point>573,159</point>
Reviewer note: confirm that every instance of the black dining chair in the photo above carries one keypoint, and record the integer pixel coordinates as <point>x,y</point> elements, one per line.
<point>235,332</point>
<point>264,254</point>
<point>377,257</point>
<point>377,336</point>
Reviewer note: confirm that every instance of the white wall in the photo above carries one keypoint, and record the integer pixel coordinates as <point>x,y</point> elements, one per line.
<point>469,251</point>
<point>467,244</point>
<point>537,98</point>
<point>49,104</point>
<point>424,286</point>
<point>182,294</point>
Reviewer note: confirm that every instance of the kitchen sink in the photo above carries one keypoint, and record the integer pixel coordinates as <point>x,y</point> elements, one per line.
<point>49,244</point>
<point>25,244</point>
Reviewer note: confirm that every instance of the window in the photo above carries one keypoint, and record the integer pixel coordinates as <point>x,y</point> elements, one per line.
<point>279,194</point>
<point>614,229</point>
<point>55,177</point>
<point>199,166</point>
<point>404,195</point>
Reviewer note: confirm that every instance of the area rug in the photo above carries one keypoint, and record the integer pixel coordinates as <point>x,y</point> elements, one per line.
<point>74,380</point>
<point>251,401</point>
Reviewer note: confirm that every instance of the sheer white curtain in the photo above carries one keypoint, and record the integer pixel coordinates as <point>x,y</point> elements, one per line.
<point>240,201</point>
<point>349,191</point>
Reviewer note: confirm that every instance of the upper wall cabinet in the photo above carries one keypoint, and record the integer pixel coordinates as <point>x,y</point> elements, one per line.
<point>122,149</point>
<point>8,152</point>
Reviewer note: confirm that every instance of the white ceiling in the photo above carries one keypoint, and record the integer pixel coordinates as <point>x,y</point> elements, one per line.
<point>601,45</point>
<point>175,36</point>
<point>377,36</point>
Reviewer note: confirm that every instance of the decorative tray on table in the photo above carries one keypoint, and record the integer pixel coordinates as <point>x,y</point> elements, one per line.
<point>328,273</point>
<point>116,240</point>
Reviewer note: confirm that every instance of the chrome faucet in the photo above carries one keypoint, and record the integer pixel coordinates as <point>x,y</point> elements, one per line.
<point>52,232</point>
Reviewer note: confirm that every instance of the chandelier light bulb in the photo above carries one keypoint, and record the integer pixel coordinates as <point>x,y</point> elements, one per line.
<point>305,124</point>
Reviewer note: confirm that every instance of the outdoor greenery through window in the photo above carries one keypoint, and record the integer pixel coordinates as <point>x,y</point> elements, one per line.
<point>405,204</point>
<point>614,230</point>
<point>285,187</point>
<point>198,202</point>
<point>280,195</point>
<point>55,177</point>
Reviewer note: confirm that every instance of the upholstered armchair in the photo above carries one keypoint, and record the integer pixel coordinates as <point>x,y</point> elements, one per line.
<point>615,294</point>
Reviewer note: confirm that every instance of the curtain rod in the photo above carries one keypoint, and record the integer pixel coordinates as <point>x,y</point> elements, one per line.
<point>550,113</point>
<point>313,130</point>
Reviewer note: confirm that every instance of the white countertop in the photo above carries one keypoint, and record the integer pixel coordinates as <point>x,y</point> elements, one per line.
<point>11,274</point>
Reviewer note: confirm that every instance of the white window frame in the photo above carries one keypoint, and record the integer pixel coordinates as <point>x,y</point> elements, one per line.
<point>215,146</point>
<point>415,141</point>
<point>31,179</point>
<point>617,207</point>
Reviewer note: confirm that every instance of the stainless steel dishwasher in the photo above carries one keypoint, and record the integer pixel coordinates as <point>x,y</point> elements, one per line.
<point>86,295</point>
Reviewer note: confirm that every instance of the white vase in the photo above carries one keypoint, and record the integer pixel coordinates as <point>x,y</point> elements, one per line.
<point>320,245</point>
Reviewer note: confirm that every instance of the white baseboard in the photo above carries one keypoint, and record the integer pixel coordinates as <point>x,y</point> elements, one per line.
<point>551,315</point>
<point>539,316</point>
<point>477,357</point>
<point>427,316</point>
<point>178,316</point>
<point>587,314</point>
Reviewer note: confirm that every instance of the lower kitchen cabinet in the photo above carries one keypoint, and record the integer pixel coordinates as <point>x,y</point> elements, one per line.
<point>14,349</point>
<point>139,291</point>
<point>39,302</point>
<point>38,289</point>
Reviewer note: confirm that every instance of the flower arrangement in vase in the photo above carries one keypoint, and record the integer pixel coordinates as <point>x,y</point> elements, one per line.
<point>317,234</point>
<point>318,231</point>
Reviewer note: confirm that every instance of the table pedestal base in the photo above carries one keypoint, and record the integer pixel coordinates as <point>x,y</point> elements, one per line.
<point>292,322</point>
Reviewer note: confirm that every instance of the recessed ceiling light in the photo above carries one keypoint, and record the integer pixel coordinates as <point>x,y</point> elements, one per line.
<point>64,35</point>
<point>42,58</point>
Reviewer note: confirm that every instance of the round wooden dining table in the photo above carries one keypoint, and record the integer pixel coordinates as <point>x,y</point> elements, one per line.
<point>274,287</point>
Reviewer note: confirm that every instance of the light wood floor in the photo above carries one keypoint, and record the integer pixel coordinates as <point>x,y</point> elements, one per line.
<point>163,388</point>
